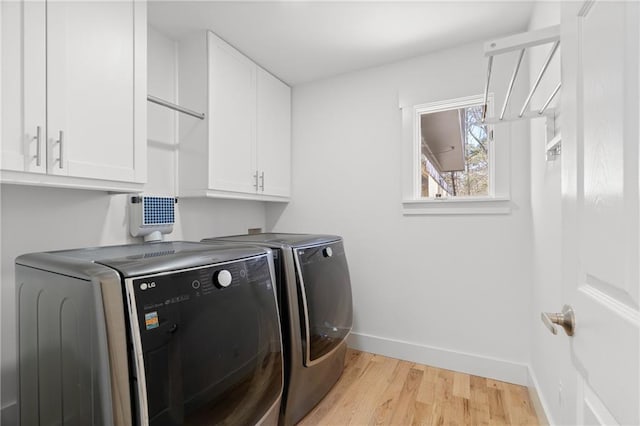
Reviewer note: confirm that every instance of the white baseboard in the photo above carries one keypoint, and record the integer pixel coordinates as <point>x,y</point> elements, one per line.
<point>478,365</point>
<point>539,402</point>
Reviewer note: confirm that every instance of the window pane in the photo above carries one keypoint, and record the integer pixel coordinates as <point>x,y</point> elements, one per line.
<point>454,153</point>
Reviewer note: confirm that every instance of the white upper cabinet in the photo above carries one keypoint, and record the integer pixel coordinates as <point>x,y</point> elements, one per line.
<point>74,102</point>
<point>273,135</point>
<point>231,118</point>
<point>242,149</point>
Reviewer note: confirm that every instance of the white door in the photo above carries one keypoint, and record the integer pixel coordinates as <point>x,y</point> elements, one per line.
<point>23,42</point>
<point>91,86</point>
<point>600,190</point>
<point>232,119</point>
<point>273,135</point>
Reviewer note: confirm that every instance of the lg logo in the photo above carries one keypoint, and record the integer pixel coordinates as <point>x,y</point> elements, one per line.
<point>145,286</point>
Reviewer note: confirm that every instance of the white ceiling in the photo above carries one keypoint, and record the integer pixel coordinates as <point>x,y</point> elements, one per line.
<point>301,41</point>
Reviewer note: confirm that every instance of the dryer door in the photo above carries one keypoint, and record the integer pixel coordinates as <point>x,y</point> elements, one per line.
<point>207,344</point>
<point>325,290</point>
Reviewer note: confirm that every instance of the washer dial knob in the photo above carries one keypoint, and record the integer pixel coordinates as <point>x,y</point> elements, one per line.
<point>222,278</point>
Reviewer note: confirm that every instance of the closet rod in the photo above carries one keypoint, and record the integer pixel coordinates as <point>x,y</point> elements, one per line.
<point>513,80</point>
<point>486,90</point>
<point>542,71</point>
<point>175,107</point>
<point>546,104</point>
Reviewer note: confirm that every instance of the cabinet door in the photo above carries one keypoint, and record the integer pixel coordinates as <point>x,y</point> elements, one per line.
<point>274,135</point>
<point>96,63</point>
<point>23,86</point>
<point>232,112</point>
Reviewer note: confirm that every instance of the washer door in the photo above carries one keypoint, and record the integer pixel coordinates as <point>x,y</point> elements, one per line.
<point>325,289</point>
<point>208,348</point>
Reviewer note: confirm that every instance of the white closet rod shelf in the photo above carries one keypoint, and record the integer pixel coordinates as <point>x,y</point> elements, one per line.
<point>175,107</point>
<point>520,42</point>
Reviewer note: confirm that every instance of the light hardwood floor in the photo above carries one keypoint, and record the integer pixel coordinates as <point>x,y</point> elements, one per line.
<point>375,389</point>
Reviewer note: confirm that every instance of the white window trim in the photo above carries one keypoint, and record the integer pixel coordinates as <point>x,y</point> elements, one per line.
<point>457,206</point>
<point>413,203</point>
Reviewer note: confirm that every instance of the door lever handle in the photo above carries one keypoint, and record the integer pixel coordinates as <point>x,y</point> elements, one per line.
<point>565,319</point>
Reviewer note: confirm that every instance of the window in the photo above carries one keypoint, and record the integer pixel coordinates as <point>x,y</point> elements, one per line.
<point>455,152</point>
<point>451,161</point>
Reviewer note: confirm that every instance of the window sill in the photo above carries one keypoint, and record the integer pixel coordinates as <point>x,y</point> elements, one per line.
<point>457,206</point>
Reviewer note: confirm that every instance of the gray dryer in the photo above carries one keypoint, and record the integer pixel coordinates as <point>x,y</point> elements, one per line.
<point>314,292</point>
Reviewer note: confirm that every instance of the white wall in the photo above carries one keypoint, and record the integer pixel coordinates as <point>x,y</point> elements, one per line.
<point>447,290</point>
<point>38,219</point>
<point>550,361</point>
